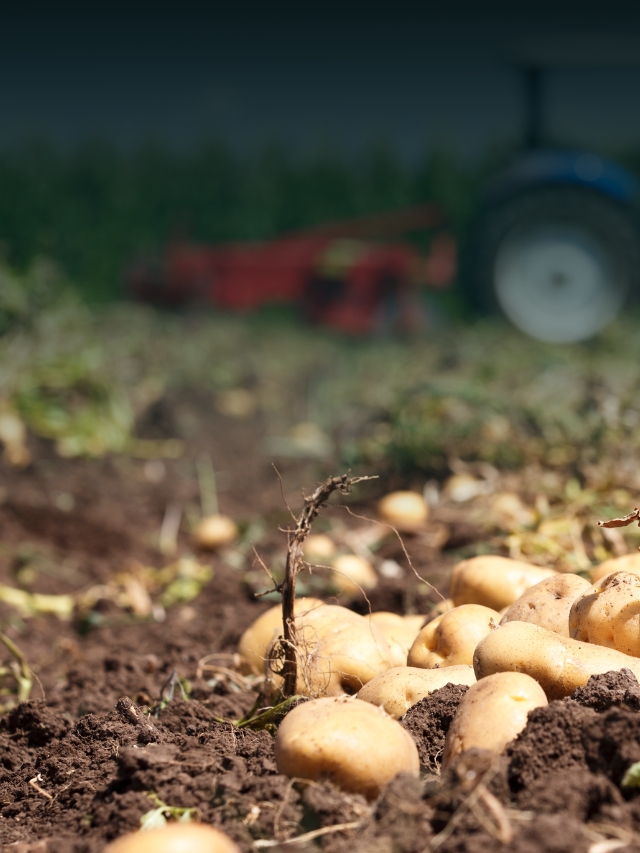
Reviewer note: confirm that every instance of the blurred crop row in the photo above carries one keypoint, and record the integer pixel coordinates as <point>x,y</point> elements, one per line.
<point>86,378</point>
<point>94,208</point>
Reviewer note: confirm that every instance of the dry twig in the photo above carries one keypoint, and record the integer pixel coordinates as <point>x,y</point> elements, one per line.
<point>309,836</point>
<point>21,670</point>
<point>34,784</point>
<point>312,506</point>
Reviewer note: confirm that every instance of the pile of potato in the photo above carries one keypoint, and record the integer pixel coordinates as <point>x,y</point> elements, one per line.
<point>517,635</point>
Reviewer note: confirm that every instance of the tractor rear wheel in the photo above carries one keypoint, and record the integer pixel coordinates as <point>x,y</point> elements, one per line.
<point>559,262</point>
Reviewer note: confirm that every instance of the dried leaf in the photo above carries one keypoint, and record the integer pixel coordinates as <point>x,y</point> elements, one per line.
<point>622,522</point>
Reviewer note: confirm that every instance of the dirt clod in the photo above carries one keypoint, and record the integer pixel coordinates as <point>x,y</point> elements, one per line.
<point>428,722</point>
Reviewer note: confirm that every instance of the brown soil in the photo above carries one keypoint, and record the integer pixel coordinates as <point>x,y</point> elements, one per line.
<point>80,764</point>
<point>428,722</point>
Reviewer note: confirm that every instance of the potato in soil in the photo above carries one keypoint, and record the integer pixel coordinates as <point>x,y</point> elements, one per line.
<point>175,838</point>
<point>548,603</point>
<point>608,613</point>
<point>337,651</point>
<point>495,582</point>
<point>399,632</point>
<point>492,712</point>
<point>451,639</point>
<point>558,664</point>
<point>257,638</point>
<point>215,531</point>
<point>352,574</point>
<point>401,687</point>
<point>626,563</point>
<point>407,511</point>
<point>354,744</point>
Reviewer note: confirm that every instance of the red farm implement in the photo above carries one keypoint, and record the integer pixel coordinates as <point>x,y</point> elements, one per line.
<point>354,276</point>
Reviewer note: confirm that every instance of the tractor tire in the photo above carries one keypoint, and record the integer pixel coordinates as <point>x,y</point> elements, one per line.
<point>558,262</point>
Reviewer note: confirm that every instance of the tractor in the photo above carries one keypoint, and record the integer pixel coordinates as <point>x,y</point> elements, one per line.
<point>555,246</point>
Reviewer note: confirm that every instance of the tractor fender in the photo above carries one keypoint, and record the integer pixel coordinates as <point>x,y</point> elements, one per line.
<point>547,167</point>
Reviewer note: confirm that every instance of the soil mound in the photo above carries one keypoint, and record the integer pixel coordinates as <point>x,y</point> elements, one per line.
<point>428,722</point>
<point>553,740</point>
<point>612,688</point>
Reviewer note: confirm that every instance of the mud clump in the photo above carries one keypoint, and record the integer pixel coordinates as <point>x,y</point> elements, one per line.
<point>611,688</point>
<point>552,740</point>
<point>35,724</point>
<point>580,794</point>
<point>595,730</point>
<point>401,820</point>
<point>428,722</point>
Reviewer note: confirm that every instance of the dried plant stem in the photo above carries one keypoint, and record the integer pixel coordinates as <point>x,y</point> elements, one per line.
<point>309,836</point>
<point>312,506</point>
<point>22,672</point>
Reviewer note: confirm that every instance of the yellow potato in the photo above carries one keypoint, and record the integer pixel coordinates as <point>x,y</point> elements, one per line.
<point>399,632</point>
<point>559,664</point>
<point>13,435</point>
<point>414,621</point>
<point>608,613</point>
<point>338,652</point>
<point>508,512</point>
<point>627,563</point>
<point>398,689</point>
<point>352,574</point>
<point>404,510</point>
<point>318,548</point>
<point>464,487</point>
<point>214,531</point>
<point>451,639</point>
<point>175,838</point>
<point>548,603</point>
<point>257,638</point>
<point>492,712</point>
<point>493,581</point>
<point>353,744</point>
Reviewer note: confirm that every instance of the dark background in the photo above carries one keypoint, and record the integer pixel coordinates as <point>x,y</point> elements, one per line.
<point>413,77</point>
<point>121,128</point>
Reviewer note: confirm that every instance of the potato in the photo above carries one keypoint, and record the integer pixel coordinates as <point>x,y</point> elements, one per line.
<point>338,652</point>
<point>413,621</point>
<point>559,664</point>
<point>608,613</point>
<point>214,531</point>
<point>352,574</point>
<point>175,838</point>
<point>399,632</point>
<point>451,639</point>
<point>13,435</point>
<point>508,512</point>
<point>398,689</point>
<point>257,638</point>
<point>318,547</point>
<point>464,487</point>
<point>548,603</point>
<point>353,744</point>
<point>404,510</point>
<point>493,581</point>
<point>492,712</point>
<point>626,563</point>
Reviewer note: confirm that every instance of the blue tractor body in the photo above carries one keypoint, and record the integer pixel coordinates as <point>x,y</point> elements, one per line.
<point>549,166</point>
